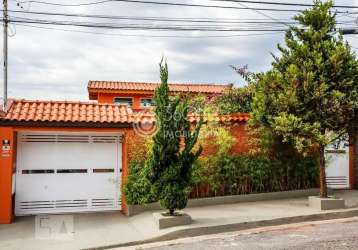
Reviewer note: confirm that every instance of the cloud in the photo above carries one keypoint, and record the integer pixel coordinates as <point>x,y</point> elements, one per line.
<point>49,64</point>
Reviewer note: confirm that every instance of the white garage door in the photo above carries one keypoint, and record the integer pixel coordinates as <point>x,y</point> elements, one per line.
<point>67,172</point>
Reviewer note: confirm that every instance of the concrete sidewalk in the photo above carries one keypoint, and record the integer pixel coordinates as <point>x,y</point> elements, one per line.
<point>105,229</point>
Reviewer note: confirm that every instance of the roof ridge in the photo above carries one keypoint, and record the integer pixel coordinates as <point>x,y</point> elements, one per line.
<point>157,83</point>
<point>65,102</point>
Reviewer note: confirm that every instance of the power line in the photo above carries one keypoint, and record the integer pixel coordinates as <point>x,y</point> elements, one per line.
<point>264,14</point>
<point>170,24</point>
<point>233,1</point>
<point>136,18</point>
<point>199,5</point>
<point>143,27</point>
<point>66,5</point>
<point>170,19</point>
<point>163,3</point>
<point>150,36</point>
<point>284,4</point>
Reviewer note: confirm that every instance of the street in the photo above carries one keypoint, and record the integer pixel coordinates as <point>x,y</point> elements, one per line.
<point>332,235</point>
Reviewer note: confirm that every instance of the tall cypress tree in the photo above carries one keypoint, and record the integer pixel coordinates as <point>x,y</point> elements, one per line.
<point>172,155</point>
<point>310,96</point>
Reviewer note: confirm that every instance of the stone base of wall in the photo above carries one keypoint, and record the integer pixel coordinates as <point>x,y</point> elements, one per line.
<point>210,201</point>
<point>326,203</point>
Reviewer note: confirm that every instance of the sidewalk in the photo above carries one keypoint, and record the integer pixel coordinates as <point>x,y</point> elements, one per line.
<point>104,229</point>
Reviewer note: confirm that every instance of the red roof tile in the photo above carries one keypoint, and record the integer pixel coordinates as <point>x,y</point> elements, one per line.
<point>64,111</point>
<point>147,116</point>
<point>71,112</point>
<point>145,86</point>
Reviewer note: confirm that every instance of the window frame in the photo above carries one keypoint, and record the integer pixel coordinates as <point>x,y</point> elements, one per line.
<point>123,97</point>
<point>146,98</point>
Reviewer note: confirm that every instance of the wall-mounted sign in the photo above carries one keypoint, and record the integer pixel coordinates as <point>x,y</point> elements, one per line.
<point>6,145</point>
<point>5,148</point>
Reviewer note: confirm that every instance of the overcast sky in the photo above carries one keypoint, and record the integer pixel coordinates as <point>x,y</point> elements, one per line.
<point>49,64</point>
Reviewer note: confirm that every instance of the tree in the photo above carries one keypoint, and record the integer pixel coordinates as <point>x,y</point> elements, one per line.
<point>172,155</point>
<point>234,100</point>
<point>310,95</point>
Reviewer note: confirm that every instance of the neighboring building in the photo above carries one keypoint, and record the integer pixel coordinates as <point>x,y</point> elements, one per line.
<point>59,156</point>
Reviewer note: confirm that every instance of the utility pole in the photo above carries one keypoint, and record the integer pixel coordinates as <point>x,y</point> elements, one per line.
<point>5,23</point>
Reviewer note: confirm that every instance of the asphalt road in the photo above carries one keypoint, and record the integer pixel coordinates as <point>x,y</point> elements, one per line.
<point>334,235</point>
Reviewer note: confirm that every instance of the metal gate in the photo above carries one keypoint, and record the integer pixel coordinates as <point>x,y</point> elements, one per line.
<point>67,172</point>
<point>337,171</point>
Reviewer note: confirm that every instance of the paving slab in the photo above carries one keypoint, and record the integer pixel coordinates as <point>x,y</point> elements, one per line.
<point>112,228</point>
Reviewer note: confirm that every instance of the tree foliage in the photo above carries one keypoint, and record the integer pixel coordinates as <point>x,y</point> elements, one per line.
<point>170,163</point>
<point>310,95</point>
<point>233,100</point>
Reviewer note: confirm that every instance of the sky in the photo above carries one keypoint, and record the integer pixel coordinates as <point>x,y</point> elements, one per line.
<point>57,65</point>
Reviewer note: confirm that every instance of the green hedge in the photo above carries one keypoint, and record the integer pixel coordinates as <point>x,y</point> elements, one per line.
<point>235,174</point>
<point>243,174</point>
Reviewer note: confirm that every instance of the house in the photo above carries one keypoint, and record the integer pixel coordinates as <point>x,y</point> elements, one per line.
<point>60,156</point>
<point>52,152</point>
<point>139,95</point>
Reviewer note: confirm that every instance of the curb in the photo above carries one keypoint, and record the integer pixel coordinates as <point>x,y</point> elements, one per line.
<point>229,199</point>
<point>198,231</point>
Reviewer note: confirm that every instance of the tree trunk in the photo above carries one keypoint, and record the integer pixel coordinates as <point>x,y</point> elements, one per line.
<point>322,173</point>
<point>171,212</point>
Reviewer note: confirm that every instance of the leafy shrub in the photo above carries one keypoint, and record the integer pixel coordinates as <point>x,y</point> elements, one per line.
<point>244,174</point>
<point>233,100</point>
<point>138,188</point>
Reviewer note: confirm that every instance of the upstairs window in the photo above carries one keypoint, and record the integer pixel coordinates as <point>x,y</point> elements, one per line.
<point>146,102</point>
<point>123,101</point>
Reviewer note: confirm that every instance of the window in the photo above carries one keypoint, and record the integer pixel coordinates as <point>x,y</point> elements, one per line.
<point>71,171</point>
<point>123,101</point>
<point>38,171</point>
<point>146,102</point>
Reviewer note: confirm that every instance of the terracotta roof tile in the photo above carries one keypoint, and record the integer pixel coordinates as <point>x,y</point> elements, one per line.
<point>63,111</point>
<point>146,86</point>
<point>147,116</point>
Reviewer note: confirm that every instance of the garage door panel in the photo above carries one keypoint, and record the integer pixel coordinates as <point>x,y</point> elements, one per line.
<point>56,175</point>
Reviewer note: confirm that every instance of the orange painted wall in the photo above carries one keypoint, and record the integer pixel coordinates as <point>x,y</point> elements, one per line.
<point>242,145</point>
<point>238,130</point>
<point>7,163</point>
<point>7,160</point>
<point>109,98</point>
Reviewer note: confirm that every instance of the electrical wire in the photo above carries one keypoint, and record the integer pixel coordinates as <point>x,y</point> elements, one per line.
<point>232,1</point>
<point>168,19</point>
<point>251,24</point>
<point>161,3</point>
<point>142,27</point>
<point>159,19</point>
<point>194,5</point>
<point>283,4</point>
<point>150,36</point>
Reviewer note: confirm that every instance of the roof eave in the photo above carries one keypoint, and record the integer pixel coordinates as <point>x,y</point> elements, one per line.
<point>65,124</point>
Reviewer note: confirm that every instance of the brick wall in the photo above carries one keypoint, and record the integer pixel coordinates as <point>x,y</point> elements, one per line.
<point>136,148</point>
